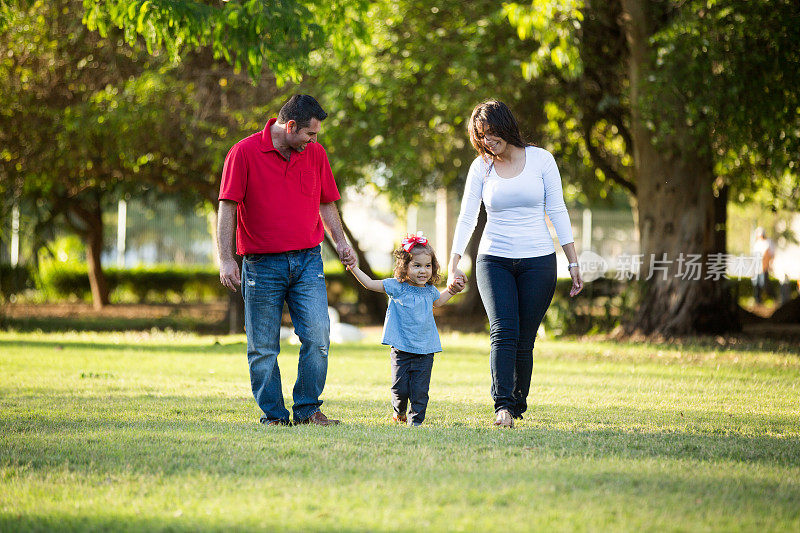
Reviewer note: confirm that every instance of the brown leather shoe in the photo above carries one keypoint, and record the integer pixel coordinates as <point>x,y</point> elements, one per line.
<point>319,419</point>
<point>503,419</point>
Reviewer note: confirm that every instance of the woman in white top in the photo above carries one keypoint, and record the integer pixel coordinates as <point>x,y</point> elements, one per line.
<point>516,264</point>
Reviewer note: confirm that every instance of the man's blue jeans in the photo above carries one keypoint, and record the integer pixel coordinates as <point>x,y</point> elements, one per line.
<point>516,294</point>
<point>269,280</point>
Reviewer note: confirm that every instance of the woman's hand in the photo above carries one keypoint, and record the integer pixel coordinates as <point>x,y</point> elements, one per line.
<point>577,282</point>
<point>456,286</point>
<point>456,275</point>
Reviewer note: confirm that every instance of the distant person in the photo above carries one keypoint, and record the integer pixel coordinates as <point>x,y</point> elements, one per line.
<point>277,192</point>
<point>410,329</point>
<point>765,253</point>
<point>786,289</point>
<point>516,264</point>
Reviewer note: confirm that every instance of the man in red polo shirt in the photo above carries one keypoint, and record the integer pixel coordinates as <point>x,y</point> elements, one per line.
<point>277,192</point>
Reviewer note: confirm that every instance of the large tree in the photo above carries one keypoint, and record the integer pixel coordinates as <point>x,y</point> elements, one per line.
<point>682,104</point>
<point>213,43</point>
<point>400,109</point>
<point>401,106</point>
<point>87,120</point>
<point>61,99</point>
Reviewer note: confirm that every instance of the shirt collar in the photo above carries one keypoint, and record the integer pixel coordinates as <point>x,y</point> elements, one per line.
<point>266,136</point>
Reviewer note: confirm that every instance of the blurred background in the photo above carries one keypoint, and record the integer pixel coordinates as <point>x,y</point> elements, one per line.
<point>674,124</point>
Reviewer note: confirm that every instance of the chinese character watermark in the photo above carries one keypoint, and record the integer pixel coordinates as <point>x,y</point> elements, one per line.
<point>686,266</point>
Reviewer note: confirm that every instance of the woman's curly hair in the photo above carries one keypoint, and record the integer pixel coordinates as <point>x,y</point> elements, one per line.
<point>403,258</point>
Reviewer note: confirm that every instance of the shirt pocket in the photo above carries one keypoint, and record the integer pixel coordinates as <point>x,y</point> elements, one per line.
<point>308,183</point>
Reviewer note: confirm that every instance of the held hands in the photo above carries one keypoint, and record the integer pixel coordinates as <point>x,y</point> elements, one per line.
<point>229,274</point>
<point>456,281</point>
<point>456,287</point>
<point>346,255</point>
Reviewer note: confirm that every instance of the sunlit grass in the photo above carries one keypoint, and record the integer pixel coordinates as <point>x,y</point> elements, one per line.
<point>143,431</point>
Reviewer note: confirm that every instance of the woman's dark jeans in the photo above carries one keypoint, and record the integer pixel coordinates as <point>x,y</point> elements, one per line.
<point>516,294</point>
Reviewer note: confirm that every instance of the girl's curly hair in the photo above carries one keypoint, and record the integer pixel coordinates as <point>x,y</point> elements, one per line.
<point>403,258</point>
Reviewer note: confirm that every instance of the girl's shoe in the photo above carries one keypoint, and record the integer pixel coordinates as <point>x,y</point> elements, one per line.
<point>400,419</point>
<point>503,419</point>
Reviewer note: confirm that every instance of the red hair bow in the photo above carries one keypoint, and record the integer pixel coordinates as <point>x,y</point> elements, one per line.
<point>411,240</point>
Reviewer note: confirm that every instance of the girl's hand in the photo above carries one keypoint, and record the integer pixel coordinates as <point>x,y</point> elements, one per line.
<point>456,275</point>
<point>577,282</point>
<point>456,287</point>
<point>346,254</point>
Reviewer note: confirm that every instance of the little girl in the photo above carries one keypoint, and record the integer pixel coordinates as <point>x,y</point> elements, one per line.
<point>409,328</point>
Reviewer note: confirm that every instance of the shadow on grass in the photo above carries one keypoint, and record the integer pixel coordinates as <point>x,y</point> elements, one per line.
<point>466,467</point>
<point>214,347</point>
<point>183,434</point>
<point>54,521</point>
<point>733,344</point>
<point>55,325</point>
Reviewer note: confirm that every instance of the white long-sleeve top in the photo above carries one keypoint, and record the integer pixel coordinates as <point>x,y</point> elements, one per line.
<point>515,208</point>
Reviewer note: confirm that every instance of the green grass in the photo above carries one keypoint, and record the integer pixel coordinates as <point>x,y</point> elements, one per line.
<point>158,431</point>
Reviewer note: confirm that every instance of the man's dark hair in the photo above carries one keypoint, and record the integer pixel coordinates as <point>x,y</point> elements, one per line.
<point>301,108</point>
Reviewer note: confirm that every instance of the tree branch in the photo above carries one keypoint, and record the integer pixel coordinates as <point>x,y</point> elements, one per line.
<point>602,163</point>
<point>615,117</point>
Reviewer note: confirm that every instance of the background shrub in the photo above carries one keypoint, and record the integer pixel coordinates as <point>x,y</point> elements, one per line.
<point>14,280</point>
<point>142,284</point>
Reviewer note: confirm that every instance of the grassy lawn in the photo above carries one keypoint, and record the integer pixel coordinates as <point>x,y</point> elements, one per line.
<point>158,431</point>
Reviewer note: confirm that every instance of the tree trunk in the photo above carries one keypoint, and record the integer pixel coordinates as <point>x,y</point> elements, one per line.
<point>676,223</point>
<point>676,212</point>
<point>374,302</point>
<point>91,229</point>
<point>97,279</point>
<point>721,220</point>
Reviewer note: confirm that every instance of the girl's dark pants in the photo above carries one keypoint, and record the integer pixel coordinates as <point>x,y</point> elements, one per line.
<point>411,379</point>
<point>516,294</point>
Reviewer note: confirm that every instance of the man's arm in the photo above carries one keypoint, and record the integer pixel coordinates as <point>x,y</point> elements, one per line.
<point>226,239</point>
<point>332,223</point>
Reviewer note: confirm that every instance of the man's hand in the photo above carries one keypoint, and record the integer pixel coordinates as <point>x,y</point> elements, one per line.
<point>346,254</point>
<point>229,274</point>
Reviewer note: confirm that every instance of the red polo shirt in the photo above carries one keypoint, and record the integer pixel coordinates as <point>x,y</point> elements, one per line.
<point>278,200</point>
